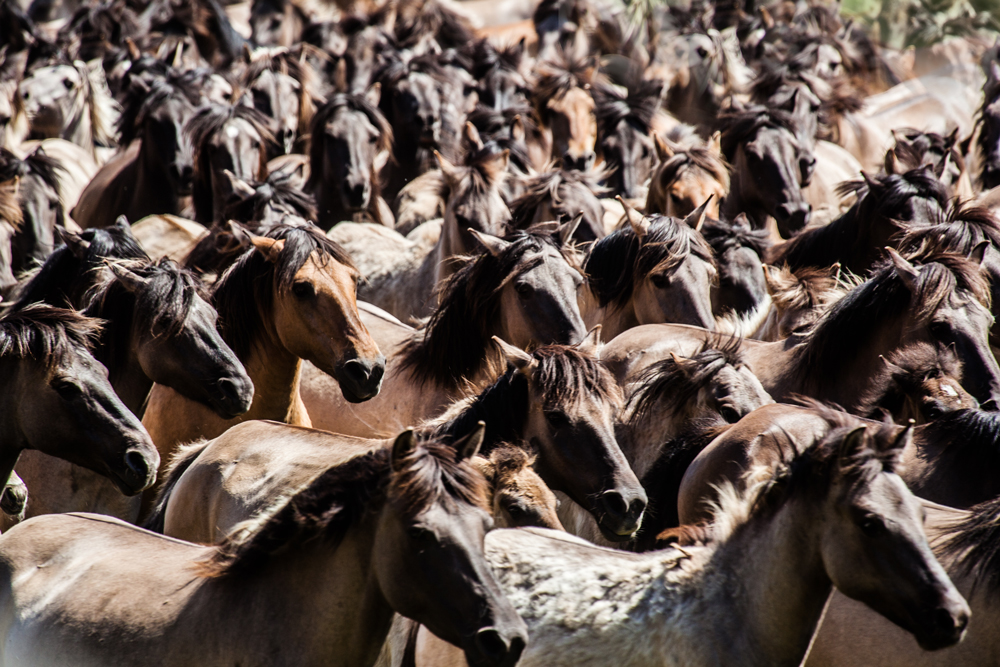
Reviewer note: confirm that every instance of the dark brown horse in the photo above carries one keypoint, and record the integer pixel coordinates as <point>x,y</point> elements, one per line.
<point>280,84</point>
<point>624,140</point>
<point>37,190</point>
<point>562,195</point>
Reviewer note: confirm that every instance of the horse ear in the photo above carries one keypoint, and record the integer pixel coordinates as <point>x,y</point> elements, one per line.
<point>76,243</point>
<point>591,343</point>
<point>978,254</point>
<point>132,281</point>
<point>742,222</point>
<point>270,248</point>
<point>663,149</point>
<point>715,143</point>
<point>133,51</point>
<point>495,167</point>
<point>122,223</point>
<point>493,244</point>
<point>404,445</point>
<point>472,136</point>
<point>517,132</point>
<point>232,238</point>
<point>247,53</point>
<point>374,94</point>
<point>567,229</point>
<point>776,278</point>
<point>951,139</point>
<point>892,163</point>
<point>893,368</point>
<point>638,222</point>
<point>520,359</point>
<point>898,445</point>
<point>450,171</point>
<point>696,219</point>
<point>853,443</point>
<point>906,271</point>
<point>680,363</point>
<point>469,446</point>
<point>235,189</point>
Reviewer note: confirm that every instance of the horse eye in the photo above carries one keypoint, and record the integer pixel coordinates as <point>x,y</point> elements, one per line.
<point>419,534</point>
<point>871,525</point>
<point>68,84</point>
<point>303,290</point>
<point>729,414</point>
<point>67,390</point>
<point>524,290</point>
<point>659,280</point>
<point>557,419</point>
<point>515,511</point>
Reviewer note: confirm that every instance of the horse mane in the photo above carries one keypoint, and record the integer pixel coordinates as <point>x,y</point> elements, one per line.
<point>45,333</point>
<point>394,70</point>
<point>739,125</point>
<point>637,105</point>
<point>455,343</point>
<point>553,188</point>
<point>352,102</point>
<point>563,376</point>
<point>488,58</point>
<point>811,286</point>
<point>963,229</point>
<point>478,171</point>
<point>558,76</point>
<point>890,190</point>
<point>676,381</point>
<point>450,29</point>
<point>493,126</point>
<point>278,190</point>
<point>327,507</point>
<point>62,269</point>
<point>846,326</point>
<point>206,122</point>
<point>139,101</point>
<point>669,170</point>
<point>244,295</point>
<point>974,543</point>
<point>277,60</point>
<point>722,235</point>
<point>160,308</point>
<point>911,367</point>
<point>807,472</point>
<point>668,242</point>
<point>111,22</point>
<point>10,207</point>
<point>36,163</point>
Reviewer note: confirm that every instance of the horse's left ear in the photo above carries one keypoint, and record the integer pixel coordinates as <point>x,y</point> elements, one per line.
<point>374,94</point>
<point>663,149</point>
<point>637,221</point>
<point>495,167</point>
<point>76,243</point>
<point>906,271</point>
<point>404,446</point>
<point>517,132</point>
<point>493,244</point>
<point>978,254</point>
<point>696,219</point>
<point>715,143</point>
<point>591,343</point>
<point>270,248</point>
<point>521,360</point>
<point>742,222</point>
<point>898,445</point>
<point>450,171</point>
<point>853,443</point>
<point>472,136</point>
<point>469,446</point>
<point>568,228</point>
<point>130,280</point>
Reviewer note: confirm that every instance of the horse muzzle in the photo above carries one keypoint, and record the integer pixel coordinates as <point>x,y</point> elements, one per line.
<point>943,627</point>
<point>361,379</point>
<point>137,474</point>
<point>233,397</point>
<point>490,647</point>
<point>619,513</point>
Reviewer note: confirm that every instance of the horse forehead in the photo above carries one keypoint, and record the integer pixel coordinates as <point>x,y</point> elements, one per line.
<point>51,76</point>
<point>319,266</point>
<point>349,122</point>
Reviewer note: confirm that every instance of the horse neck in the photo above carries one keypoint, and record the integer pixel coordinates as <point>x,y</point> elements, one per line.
<point>275,373</point>
<point>642,443</point>
<point>449,245</point>
<point>342,615</point>
<point>614,319</point>
<point>79,130</point>
<point>121,358</point>
<point>11,434</point>
<point>739,200</point>
<point>150,189</point>
<point>772,563</point>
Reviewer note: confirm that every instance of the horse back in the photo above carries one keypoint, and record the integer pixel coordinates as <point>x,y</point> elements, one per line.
<point>110,191</point>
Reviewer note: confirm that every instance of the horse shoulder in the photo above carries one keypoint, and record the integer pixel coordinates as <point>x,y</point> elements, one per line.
<point>108,192</point>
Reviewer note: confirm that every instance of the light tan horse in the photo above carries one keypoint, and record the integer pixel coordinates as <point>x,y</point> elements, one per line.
<point>289,297</point>
<point>563,103</point>
<point>398,530</point>
<point>522,289</point>
<point>687,177</point>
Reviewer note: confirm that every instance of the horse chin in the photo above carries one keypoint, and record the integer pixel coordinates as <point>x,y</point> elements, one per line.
<point>612,536</point>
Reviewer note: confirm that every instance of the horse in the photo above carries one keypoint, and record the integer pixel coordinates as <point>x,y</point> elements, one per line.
<point>280,85</point>
<point>740,300</point>
<point>799,299</point>
<point>834,515</point>
<point>400,529</point>
<point>68,100</point>
<point>225,137</point>
<point>686,177</point>
<point>277,22</point>
<point>37,191</point>
<point>941,301</point>
<point>624,125</point>
<point>499,73</point>
<point>522,288</point>
<point>562,195</point>
<point>401,275</point>
<point>565,107</point>
<point>10,221</point>
<point>350,142</point>
<point>659,269</point>
<point>151,174</point>
<point>987,137</point>
<point>289,297</point>
<point>770,168</point>
<point>965,543</point>
<point>914,148</point>
<point>855,240</point>
<point>58,399</point>
<point>557,398</point>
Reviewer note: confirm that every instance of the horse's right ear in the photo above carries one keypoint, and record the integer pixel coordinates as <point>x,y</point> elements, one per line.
<point>450,171</point>
<point>247,53</point>
<point>742,222</point>
<point>568,228</point>
<point>374,94</point>
<point>129,279</point>
<point>493,244</point>
<point>235,189</point>
<point>696,218</point>
<point>591,343</point>
<point>663,149</point>
<point>340,76</point>
<point>636,220</point>
<point>76,243</point>
<point>517,131</point>
<point>469,446</point>
<point>766,18</point>
<point>906,271</point>
<point>715,143</point>
<point>893,368</point>
<point>471,135</point>
<point>270,248</point>
<point>404,446</point>
<point>133,51</point>
<point>122,223</point>
<point>232,238</point>
<point>521,360</point>
<point>853,443</point>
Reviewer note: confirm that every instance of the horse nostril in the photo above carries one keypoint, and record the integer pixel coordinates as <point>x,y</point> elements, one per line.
<point>137,463</point>
<point>615,504</point>
<point>491,645</point>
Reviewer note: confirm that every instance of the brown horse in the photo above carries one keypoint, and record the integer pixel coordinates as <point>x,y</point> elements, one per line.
<point>624,126</point>
<point>281,85</point>
<point>941,302</point>
<point>558,398</point>
<point>523,289</point>
<point>58,399</point>
<point>562,195</point>
<point>289,297</point>
<point>801,298</point>
<point>225,137</point>
<point>659,269</point>
<point>563,103</point>
<point>687,177</point>
<point>400,529</point>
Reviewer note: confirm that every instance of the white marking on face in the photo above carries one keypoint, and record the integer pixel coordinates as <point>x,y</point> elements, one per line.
<point>949,390</point>
<point>231,132</point>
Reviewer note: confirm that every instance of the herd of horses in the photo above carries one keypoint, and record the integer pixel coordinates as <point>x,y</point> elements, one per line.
<point>480,334</point>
